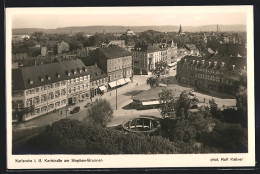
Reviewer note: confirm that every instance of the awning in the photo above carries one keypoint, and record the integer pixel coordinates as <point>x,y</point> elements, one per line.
<point>102,88</point>
<point>127,80</point>
<point>121,81</point>
<point>112,84</point>
<point>151,103</point>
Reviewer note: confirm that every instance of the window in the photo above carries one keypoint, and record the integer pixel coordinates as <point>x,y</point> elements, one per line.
<point>51,96</point>
<point>69,91</point>
<point>37,110</point>
<point>37,89</point>
<point>57,85</point>
<point>43,98</point>
<point>63,92</point>
<point>29,102</point>
<point>51,106</point>
<point>43,109</point>
<point>36,100</point>
<point>57,94</point>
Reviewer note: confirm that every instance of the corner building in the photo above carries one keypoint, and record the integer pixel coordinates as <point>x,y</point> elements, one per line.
<point>48,87</point>
<point>116,62</point>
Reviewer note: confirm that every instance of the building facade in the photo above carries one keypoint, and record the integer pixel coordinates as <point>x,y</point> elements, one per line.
<point>212,72</point>
<point>145,56</point>
<point>48,87</point>
<point>116,62</point>
<point>98,81</point>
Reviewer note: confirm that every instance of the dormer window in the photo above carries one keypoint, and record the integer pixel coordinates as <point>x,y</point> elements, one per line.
<point>80,70</point>
<point>209,63</point>
<point>74,72</point>
<point>30,82</point>
<point>84,69</point>
<point>233,66</point>
<point>58,75</point>
<point>193,61</point>
<point>244,67</point>
<point>203,61</point>
<point>49,78</point>
<point>185,60</point>
<point>198,62</point>
<point>41,79</point>
<point>215,63</point>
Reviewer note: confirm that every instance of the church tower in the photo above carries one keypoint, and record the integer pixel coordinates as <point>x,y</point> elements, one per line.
<point>180,30</point>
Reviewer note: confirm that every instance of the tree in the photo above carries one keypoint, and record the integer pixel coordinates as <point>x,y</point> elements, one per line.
<point>241,104</point>
<point>183,104</point>
<point>100,112</point>
<point>214,110</point>
<point>166,101</point>
<point>152,81</point>
<point>69,136</point>
<point>161,68</point>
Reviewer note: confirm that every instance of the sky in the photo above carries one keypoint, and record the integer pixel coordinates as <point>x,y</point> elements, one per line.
<point>49,18</point>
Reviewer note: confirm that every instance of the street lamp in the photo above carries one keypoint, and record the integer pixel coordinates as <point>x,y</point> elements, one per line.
<point>116,94</point>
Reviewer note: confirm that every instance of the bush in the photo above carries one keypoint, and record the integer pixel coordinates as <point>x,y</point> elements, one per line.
<point>73,137</point>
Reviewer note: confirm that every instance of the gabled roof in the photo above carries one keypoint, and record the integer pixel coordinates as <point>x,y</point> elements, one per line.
<point>56,72</point>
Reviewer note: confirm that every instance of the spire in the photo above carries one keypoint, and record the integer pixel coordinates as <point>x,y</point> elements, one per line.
<point>180,30</point>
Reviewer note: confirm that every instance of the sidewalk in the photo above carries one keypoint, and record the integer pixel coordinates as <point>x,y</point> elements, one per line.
<point>61,113</point>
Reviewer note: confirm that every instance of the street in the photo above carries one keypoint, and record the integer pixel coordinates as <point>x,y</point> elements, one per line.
<point>123,112</point>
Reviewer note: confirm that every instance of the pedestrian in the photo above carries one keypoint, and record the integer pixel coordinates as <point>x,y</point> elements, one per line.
<point>110,93</point>
<point>61,112</point>
<point>204,100</point>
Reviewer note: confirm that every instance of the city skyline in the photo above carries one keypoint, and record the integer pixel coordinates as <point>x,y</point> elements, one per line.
<point>51,18</point>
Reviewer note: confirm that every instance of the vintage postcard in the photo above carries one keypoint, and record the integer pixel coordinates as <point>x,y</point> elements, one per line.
<point>130,87</point>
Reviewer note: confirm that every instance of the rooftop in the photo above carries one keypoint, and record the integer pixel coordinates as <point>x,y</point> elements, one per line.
<point>30,77</point>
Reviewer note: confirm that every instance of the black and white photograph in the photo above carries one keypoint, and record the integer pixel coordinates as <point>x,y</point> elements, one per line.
<point>108,87</point>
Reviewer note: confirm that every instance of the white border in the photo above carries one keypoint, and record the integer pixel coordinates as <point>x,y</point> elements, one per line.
<point>136,161</point>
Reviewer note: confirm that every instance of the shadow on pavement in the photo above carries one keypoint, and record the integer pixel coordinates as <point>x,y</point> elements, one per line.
<point>127,107</point>
<point>133,93</point>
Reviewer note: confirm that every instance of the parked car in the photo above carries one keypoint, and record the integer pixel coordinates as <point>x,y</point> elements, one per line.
<point>88,104</point>
<point>75,110</point>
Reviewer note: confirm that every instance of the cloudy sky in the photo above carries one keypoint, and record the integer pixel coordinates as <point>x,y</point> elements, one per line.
<point>127,16</point>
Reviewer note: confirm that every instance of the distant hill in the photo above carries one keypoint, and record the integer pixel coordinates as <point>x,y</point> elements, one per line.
<point>121,29</point>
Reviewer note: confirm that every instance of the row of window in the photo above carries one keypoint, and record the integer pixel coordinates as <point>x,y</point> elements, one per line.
<point>43,98</point>
<point>79,79</point>
<point>114,61</point>
<point>51,106</point>
<point>209,77</point>
<point>114,68</point>
<point>45,87</point>
<point>77,88</point>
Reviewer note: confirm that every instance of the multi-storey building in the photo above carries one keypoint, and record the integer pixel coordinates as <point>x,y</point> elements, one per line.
<point>145,56</point>
<point>98,81</point>
<point>211,72</point>
<point>48,87</point>
<point>116,62</point>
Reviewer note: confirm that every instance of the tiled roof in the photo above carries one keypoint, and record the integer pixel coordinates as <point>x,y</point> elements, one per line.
<point>111,52</point>
<point>56,72</point>
<point>96,73</point>
<point>239,62</point>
